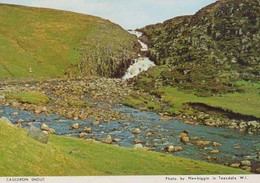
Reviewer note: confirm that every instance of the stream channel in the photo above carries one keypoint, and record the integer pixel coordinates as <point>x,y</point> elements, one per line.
<point>162,133</point>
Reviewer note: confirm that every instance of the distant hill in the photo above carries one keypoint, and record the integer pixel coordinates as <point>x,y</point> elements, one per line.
<point>54,43</point>
<point>210,51</point>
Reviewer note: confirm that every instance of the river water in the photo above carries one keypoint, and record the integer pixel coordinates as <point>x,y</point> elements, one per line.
<point>164,133</point>
<point>141,63</point>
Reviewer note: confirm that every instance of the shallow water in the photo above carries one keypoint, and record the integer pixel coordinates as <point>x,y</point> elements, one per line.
<point>165,133</point>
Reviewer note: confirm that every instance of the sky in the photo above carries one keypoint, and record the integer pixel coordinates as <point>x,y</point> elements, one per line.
<point>130,14</point>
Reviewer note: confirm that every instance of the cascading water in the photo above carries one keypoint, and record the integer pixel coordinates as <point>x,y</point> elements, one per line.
<point>141,63</point>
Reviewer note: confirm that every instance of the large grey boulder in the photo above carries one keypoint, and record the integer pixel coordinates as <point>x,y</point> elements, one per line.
<point>38,135</point>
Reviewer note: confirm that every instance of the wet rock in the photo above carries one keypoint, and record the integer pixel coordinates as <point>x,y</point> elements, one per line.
<point>15,113</point>
<point>186,131</point>
<point>215,151</point>
<point>216,144</point>
<point>52,131</point>
<point>116,140</point>
<point>137,141</point>
<point>148,134</point>
<point>185,140</point>
<point>2,111</point>
<point>45,127</point>
<point>107,140</point>
<point>87,130</point>
<point>95,123</point>
<point>138,146</point>
<point>245,163</point>
<point>202,143</point>
<point>136,131</point>
<point>75,126</point>
<point>235,165</point>
<point>183,135</point>
<point>20,121</point>
<point>6,120</point>
<point>18,125</point>
<point>166,118</point>
<point>237,147</point>
<point>29,124</point>
<point>38,135</point>
<point>82,135</point>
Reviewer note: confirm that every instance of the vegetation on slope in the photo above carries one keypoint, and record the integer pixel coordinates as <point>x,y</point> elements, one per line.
<point>63,156</point>
<point>53,43</point>
<point>211,50</point>
<point>211,57</point>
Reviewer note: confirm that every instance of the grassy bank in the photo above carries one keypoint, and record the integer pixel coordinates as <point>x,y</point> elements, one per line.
<point>53,42</point>
<point>29,97</point>
<point>23,156</point>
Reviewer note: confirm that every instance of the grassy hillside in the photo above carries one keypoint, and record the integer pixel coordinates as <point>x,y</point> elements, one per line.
<point>211,50</point>
<point>210,57</point>
<point>53,43</point>
<point>23,156</point>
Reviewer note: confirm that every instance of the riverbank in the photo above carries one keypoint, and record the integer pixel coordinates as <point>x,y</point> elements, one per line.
<point>64,156</point>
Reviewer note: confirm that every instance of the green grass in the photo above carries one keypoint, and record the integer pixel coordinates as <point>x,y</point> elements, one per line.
<point>64,156</point>
<point>79,104</point>
<point>29,97</point>
<point>51,41</point>
<point>245,103</point>
<point>141,102</point>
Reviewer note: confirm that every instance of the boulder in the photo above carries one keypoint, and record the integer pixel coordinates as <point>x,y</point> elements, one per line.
<point>136,131</point>
<point>38,135</point>
<point>82,135</point>
<point>235,165</point>
<point>245,163</point>
<point>75,126</point>
<point>138,146</point>
<point>216,144</point>
<point>107,140</point>
<point>215,151</point>
<point>45,127</point>
<point>6,120</point>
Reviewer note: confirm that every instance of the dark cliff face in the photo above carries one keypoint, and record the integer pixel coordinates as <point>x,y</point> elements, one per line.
<point>217,45</point>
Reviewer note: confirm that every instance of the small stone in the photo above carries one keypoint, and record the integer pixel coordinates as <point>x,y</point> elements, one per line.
<point>183,135</point>
<point>186,131</point>
<point>149,134</point>
<point>185,140</point>
<point>2,111</point>
<point>137,141</point>
<point>87,130</point>
<point>18,125</point>
<point>116,140</point>
<point>15,113</point>
<point>20,121</point>
<point>75,126</point>
<point>29,124</point>
<point>216,151</point>
<point>82,135</point>
<point>237,147</point>
<point>216,144</point>
<point>136,131</point>
<point>245,163</point>
<point>95,123</point>
<point>235,165</point>
<point>166,118</point>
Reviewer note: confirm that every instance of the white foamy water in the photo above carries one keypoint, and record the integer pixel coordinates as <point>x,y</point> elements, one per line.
<point>141,63</point>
